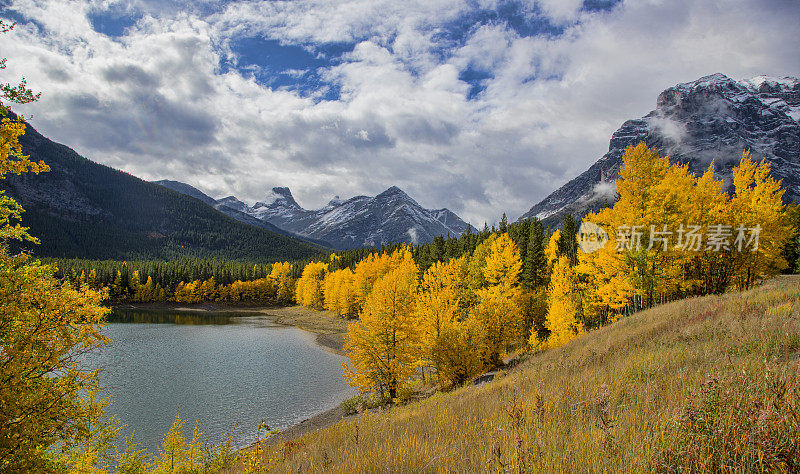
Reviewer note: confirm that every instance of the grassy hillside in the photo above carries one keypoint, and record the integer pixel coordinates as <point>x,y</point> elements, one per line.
<point>82,209</point>
<point>704,384</point>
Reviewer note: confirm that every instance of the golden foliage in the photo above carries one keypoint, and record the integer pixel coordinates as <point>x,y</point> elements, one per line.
<point>45,325</point>
<point>281,277</point>
<point>498,308</point>
<point>449,343</point>
<point>340,293</point>
<point>309,290</point>
<point>563,308</point>
<point>384,346</point>
<point>674,234</point>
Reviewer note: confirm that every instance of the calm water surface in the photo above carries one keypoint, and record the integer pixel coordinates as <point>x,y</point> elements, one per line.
<point>217,369</point>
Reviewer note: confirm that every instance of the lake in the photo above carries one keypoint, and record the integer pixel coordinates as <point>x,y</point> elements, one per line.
<point>218,369</point>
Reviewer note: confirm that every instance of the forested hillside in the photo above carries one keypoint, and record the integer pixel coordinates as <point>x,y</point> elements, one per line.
<point>81,209</point>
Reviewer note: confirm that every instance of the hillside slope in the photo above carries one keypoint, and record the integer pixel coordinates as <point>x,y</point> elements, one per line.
<point>697,384</point>
<point>82,209</point>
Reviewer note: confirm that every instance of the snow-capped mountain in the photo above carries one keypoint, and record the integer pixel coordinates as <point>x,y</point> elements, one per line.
<point>232,207</point>
<point>390,217</point>
<point>712,118</point>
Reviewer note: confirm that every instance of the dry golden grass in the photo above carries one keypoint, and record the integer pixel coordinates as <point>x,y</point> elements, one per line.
<point>705,383</point>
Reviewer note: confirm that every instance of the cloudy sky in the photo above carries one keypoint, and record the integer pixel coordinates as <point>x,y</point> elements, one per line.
<point>482,106</point>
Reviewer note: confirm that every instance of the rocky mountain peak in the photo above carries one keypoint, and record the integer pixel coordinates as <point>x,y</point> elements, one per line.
<point>712,118</point>
<point>391,216</point>
<point>278,197</point>
<point>394,193</point>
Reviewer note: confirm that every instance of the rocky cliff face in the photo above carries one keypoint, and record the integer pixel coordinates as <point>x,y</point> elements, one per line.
<point>712,118</point>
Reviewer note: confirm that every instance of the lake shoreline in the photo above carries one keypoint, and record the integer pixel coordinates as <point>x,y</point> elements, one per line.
<point>328,330</point>
<point>327,327</point>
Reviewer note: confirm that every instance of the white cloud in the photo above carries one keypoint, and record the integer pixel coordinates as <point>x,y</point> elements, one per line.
<point>156,103</point>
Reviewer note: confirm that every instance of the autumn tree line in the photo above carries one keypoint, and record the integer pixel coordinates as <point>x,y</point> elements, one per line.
<point>167,281</point>
<point>463,313</point>
<point>455,314</point>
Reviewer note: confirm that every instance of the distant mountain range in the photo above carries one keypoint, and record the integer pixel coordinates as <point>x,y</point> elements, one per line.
<point>81,209</point>
<point>390,217</point>
<point>230,209</point>
<point>712,118</point>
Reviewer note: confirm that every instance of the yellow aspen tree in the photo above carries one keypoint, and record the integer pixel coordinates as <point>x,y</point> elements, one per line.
<point>371,268</point>
<point>329,291</point>
<point>281,277</point>
<point>602,280</point>
<point>339,292</point>
<point>134,283</point>
<point>146,292</point>
<point>498,303</point>
<point>475,279</point>
<point>346,294</point>
<point>562,308</point>
<point>438,308</point>
<point>551,251</point>
<point>457,355</point>
<point>707,205</point>
<point>384,346</point>
<point>176,454</point>
<point>757,204</point>
<point>13,161</point>
<point>309,291</point>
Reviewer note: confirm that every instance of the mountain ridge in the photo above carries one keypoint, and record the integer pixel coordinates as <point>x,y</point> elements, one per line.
<point>714,117</point>
<point>233,208</point>
<point>83,209</point>
<point>390,217</point>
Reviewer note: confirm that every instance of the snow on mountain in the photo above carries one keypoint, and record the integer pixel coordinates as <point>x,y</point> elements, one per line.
<point>390,217</point>
<point>712,118</point>
<point>232,203</point>
<point>232,207</point>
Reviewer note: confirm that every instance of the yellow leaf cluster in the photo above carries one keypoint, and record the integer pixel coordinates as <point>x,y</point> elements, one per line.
<point>309,290</point>
<point>384,346</point>
<point>281,277</point>
<point>340,293</point>
<point>664,202</point>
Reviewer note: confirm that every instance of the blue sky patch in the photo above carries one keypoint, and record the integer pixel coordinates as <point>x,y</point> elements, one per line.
<point>523,23</point>
<point>289,66</point>
<point>476,79</point>
<point>599,5</point>
<point>113,22</point>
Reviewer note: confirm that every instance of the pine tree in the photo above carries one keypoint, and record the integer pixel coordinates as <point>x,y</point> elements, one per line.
<point>568,242</point>
<point>535,268</point>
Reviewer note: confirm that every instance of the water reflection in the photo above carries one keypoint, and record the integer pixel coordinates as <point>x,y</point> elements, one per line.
<point>163,316</point>
<point>218,369</point>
